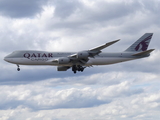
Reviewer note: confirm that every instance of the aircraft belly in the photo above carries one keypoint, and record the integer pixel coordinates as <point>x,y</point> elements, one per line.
<point>106,61</point>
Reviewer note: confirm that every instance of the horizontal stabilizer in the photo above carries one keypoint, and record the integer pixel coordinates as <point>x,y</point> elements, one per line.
<point>147,52</point>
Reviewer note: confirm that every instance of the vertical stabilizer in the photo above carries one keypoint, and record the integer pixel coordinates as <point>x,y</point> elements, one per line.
<point>141,44</point>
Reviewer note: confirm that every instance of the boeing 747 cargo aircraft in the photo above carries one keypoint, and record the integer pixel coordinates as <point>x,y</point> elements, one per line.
<point>78,61</point>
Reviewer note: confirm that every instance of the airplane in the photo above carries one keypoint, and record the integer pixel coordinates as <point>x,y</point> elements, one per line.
<point>78,61</point>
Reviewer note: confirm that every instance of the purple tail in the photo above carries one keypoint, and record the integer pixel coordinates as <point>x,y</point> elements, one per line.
<point>141,44</point>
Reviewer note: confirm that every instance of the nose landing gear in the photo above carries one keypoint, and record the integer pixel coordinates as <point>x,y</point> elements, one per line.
<point>18,69</point>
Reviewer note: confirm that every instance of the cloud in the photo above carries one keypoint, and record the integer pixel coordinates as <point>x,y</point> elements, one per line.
<point>133,106</point>
<point>64,9</point>
<point>38,97</point>
<point>19,9</point>
<point>83,15</point>
<point>128,90</point>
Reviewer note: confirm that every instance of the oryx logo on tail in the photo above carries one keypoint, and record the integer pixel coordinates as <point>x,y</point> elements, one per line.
<point>143,45</point>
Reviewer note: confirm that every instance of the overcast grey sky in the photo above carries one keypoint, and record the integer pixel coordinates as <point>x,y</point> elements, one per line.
<point>128,91</point>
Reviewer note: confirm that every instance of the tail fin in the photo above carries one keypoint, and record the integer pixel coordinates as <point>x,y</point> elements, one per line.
<point>141,44</point>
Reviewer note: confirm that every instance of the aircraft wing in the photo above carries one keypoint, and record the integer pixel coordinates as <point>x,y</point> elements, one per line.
<point>99,48</point>
<point>94,51</point>
<point>82,57</point>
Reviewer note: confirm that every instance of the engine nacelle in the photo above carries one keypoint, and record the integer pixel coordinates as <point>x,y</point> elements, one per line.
<point>63,60</point>
<point>62,68</point>
<point>82,55</point>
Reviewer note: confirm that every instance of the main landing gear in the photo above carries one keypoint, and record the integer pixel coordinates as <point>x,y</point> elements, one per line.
<point>18,69</point>
<point>76,68</point>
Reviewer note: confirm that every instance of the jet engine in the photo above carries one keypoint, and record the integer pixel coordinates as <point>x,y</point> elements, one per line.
<point>62,68</point>
<point>82,55</point>
<point>63,60</point>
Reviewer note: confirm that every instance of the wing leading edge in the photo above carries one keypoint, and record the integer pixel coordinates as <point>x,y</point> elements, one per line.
<point>99,48</point>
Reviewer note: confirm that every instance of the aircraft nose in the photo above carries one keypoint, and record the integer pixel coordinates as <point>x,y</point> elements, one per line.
<point>6,58</point>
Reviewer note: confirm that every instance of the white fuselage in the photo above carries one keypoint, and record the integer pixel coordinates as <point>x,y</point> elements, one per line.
<point>46,58</point>
<point>78,61</point>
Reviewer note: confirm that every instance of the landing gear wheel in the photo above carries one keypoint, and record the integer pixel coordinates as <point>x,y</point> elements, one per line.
<point>76,68</point>
<point>18,69</point>
<point>82,70</point>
